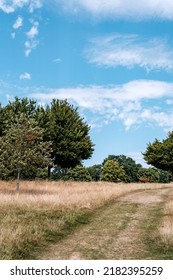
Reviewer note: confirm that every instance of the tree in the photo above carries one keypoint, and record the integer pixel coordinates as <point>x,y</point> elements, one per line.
<point>79,173</point>
<point>130,166</point>
<point>150,173</point>
<point>12,111</point>
<point>112,171</point>
<point>69,134</point>
<point>160,153</point>
<point>164,176</point>
<point>95,171</point>
<point>22,148</point>
<point>61,125</point>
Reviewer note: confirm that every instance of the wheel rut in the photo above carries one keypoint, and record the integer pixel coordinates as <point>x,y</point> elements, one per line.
<point>114,232</point>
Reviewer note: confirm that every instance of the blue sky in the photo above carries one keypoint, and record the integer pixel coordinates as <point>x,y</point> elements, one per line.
<point>112,59</point>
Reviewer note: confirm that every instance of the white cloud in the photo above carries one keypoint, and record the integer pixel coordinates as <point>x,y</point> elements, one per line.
<point>126,9</point>
<point>130,51</point>
<point>130,103</point>
<point>138,158</point>
<point>18,23</point>
<point>35,4</point>
<point>25,76</point>
<point>31,43</point>
<point>10,6</point>
<point>29,46</point>
<point>33,31</point>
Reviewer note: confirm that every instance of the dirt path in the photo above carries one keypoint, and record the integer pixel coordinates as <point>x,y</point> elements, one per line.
<point>116,231</point>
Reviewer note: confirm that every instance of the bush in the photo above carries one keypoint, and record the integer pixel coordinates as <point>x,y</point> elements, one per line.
<point>95,172</point>
<point>78,173</point>
<point>155,175</point>
<point>113,172</point>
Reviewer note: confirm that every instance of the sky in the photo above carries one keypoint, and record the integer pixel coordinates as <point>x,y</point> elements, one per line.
<point>112,59</point>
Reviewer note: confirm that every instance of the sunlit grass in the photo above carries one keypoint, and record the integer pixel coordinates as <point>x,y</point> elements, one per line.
<point>45,211</point>
<point>166,228</point>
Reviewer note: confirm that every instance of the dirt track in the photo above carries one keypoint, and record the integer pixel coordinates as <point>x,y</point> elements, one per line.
<point>117,231</point>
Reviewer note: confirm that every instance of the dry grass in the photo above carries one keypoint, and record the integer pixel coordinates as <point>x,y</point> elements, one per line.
<point>44,211</point>
<point>66,195</point>
<point>166,228</point>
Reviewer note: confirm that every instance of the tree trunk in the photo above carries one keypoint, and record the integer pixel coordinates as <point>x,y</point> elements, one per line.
<point>171,176</point>
<point>49,171</point>
<point>18,179</point>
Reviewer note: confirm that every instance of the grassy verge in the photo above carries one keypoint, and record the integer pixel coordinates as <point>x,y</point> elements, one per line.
<point>157,247</point>
<point>24,233</point>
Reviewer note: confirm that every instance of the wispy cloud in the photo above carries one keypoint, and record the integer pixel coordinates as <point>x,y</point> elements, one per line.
<point>130,103</point>
<point>33,31</point>
<point>129,51</point>
<point>127,9</point>
<point>25,76</point>
<point>31,43</point>
<point>134,104</point>
<point>138,157</point>
<point>57,60</point>
<point>18,23</point>
<point>10,6</point>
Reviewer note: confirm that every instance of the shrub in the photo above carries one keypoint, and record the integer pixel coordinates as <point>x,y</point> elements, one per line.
<point>78,173</point>
<point>113,172</point>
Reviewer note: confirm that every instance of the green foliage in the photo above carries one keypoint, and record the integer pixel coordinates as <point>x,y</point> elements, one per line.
<point>113,172</point>
<point>60,123</point>
<point>69,135</point>
<point>95,172</point>
<point>151,173</point>
<point>13,110</point>
<point>164,176</point>
<point>155,175</point>
<point>59,173</point>
<point>41,173</point>
<point>22,148</point>
<point>78,173</point>
<point>130,167</point>
<point>160,153</point>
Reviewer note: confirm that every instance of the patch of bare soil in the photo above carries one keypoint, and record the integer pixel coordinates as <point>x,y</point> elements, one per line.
<point>113,233</point>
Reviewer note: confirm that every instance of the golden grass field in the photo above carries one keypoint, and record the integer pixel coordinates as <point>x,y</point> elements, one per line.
<point>45,211</point>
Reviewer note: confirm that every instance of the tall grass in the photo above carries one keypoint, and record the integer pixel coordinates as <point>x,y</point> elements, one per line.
<point>46,211</point>
<point>166,228</point>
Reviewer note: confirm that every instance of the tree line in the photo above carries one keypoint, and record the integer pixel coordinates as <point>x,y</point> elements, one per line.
<point>114,168</point>
<point>52,141</point>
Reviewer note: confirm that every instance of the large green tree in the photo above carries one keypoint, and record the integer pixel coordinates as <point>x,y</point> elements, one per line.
<point>68,132</point>
<point>61,124</point>
<point>22,148</point>
<point>160,153</point>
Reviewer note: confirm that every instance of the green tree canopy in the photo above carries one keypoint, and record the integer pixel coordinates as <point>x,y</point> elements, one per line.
<point>95,171</point>
<point>150,173</point>
<point>112,171</point>
<point>22,148</point>
<point>61,124</point>
<point>160,153</point>
<point>131,168</point>
<point>78,173</point>
<point>69,135</point>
